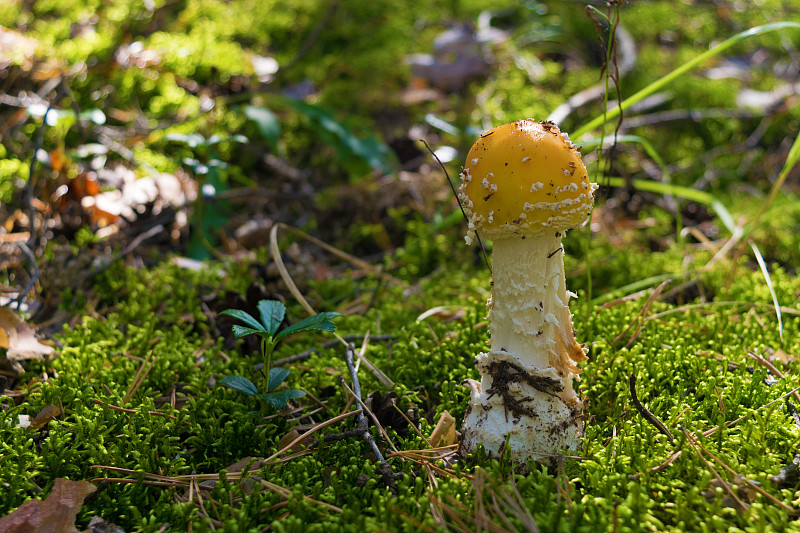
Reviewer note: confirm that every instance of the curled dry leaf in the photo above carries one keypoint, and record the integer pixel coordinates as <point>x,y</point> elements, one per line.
<point>16,48</point>
<point>19,339</point>
<point>56,514</point>
<point>292,436</point>
<point>389,415</point>
<point>444,434</point>
<point>48,413</point>
<point>445,313</point>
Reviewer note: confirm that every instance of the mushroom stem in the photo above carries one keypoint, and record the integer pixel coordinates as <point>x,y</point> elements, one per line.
<point>525,290</point>
<point>529,305</point>
<point>527,374</point>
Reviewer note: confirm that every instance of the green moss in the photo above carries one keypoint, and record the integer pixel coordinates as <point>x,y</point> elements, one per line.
<point>691,364</point>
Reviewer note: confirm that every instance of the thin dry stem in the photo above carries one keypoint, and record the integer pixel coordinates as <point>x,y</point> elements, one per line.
<point>640,316</point>
<point>310,432</point>
<point>722,482</point>
<point>141,374</point>
<point>769,366</point>
<point>290,284</point>
<point>752,485</point>
<point>677,452</point>
<point>372,416</point>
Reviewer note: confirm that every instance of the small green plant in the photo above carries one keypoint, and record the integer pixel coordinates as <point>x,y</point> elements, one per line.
<point>271,313</point>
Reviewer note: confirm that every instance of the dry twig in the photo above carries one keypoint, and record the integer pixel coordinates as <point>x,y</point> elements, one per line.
<point>646,413</point>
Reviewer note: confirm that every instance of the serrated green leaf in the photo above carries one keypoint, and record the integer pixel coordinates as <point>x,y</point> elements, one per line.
<point>244,317</point>
<point>241,384</point>
<point>243,331</point>
<point>272,313</point>
<point>281,398</point>
<point>276,377</point>
<point>318,322</point>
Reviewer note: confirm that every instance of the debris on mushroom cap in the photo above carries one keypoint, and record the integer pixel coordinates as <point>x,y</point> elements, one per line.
<point>535,177</point>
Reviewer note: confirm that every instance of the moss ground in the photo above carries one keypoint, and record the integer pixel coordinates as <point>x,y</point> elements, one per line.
<point>694,361</point>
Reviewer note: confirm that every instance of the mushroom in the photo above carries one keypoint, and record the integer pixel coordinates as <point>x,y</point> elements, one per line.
<point>524,185</point>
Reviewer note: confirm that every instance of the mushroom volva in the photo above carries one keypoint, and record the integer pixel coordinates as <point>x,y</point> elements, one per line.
<point>523,186</point>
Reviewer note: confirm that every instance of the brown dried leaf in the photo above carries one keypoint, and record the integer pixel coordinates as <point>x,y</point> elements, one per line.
<point>56,514</point>
<point>251,463</point>
<point>445,313</point>
<point>444,434</point>
<point>18,338</point>
<point>743,490</point>
<point>47,414</point>
<point>781,356</point>
<point>290,437</point>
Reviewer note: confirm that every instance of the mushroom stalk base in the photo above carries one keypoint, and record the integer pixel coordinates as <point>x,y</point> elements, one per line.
<point>520,412</point>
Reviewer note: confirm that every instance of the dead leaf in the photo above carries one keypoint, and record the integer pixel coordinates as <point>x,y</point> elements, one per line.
<point>290,437</point>
<point>47,414</point>
<point>781,357</point>
<point>746,493</point>
<point>19,339</point>
<point>241,464</point>
<point>389,415</point>
<point>56,514</point>
<point>444,434</point>
<point>20,51</point>
<point>789,474</point>
<point>445,313</point>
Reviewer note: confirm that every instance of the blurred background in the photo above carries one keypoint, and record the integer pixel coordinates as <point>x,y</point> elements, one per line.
<point>190,127</point>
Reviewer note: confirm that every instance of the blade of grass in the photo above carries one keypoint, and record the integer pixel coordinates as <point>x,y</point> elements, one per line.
<point>653,154</point>
<point>771,288</point>
<point>609,114</point>
<point>707,199</point>
<point>610,53</point>
<point>629,138</point>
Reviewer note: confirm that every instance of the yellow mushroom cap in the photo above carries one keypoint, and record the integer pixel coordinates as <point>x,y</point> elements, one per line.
<point>525,178</point>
